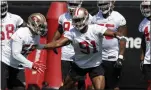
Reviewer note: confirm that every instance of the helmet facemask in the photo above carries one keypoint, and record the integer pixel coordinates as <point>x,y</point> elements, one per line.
<point>145,8</point>
<point>72,5</point>
<point>104,6</point>
<point>4,8</point>
<point>42,29</point>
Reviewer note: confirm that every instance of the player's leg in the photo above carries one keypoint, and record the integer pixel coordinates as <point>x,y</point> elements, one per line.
<point>98,82</point>
<point>68,84</point>
<point>74,75</point>
<point>111,75</point>
<point>81,84</point>
<point>97,77</point>
<point>4,75</point>
<point>117,74</point>
<point>65,67</point>
<point>147,73</point>
<point>16,79</point>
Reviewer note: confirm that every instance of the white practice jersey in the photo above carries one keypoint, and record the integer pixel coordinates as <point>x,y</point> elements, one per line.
<point>110,47</point>
<point>67,52</point>
<point>22,42</point>
<point>8,26</point>
<point>145,27</point>
<point>66,21</point>
<point>87,46</point>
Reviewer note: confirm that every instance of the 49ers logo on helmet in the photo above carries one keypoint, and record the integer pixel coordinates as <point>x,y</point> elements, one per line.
<point>34,18</point>
<point>78,10</point>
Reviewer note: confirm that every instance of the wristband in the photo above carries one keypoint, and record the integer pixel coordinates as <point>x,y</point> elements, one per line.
<point>120,56</point>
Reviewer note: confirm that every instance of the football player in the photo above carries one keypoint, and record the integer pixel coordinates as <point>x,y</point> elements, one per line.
<point>144,28</point>
<point>9,23</point>
<point>87,43</point>
<point>65,24</point>
<point>112,49</point>
<point>14,53</point>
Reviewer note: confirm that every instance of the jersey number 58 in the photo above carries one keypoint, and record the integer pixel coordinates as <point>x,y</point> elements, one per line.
<point>9,31</point>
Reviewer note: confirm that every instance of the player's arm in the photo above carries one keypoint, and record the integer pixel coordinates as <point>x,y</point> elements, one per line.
<point>111,33</point>
<point>67,39</point>
<point>58,33</point>
<point>17,45</point>
<point>122,29</point>
<point>60,30</point>
<point>58,43</point>
<point>143,47</point>
<point>119,36</point>
<point>16,52</point>
<point>122,44</point>
<point>107,32</point>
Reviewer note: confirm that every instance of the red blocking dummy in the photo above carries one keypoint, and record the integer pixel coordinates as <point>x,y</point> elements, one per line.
<point>34,79</point>
<point>53,71</point>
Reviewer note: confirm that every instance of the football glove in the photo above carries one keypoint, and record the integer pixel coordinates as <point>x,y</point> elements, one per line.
<point>119,62</point>
<point>39,67</point>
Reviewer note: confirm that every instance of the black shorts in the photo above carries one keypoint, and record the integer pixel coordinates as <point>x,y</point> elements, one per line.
<point>147,71</point>
<point>65,67</point>
<point>77,73</point>
<point>112,74</point>
<point>11,77</point>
